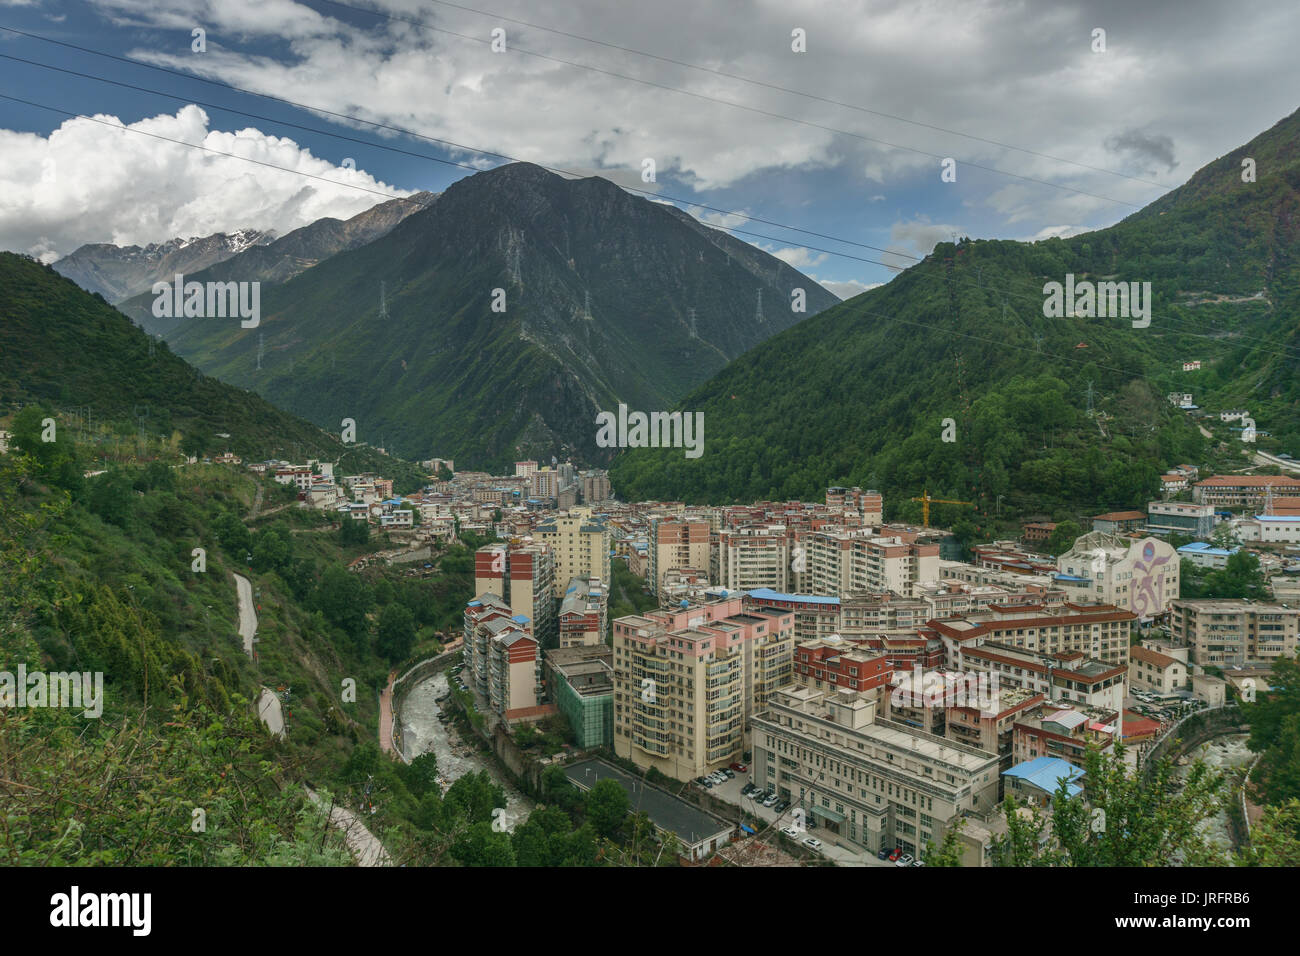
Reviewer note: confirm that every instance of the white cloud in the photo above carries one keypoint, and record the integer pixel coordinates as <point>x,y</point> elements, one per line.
<point>1056,232</point>
<point>909,242</point>
<point>93,182</point>
<point>798,257</point>
<point>846,289</point>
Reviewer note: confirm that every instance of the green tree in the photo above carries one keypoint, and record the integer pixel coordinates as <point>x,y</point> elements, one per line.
<point>1275,839</point>
<point>396,633</point>
<point>353,533</point>
<point>480,845</point>
<point>949,852</point>
<point>1063,536</point>
<point>607,807</point>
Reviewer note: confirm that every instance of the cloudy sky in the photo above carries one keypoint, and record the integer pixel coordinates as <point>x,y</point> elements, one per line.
<point>846,141</point>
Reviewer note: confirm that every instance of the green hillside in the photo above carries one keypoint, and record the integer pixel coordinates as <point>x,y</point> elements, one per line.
<point>866,386</point>
<point>72,352</point>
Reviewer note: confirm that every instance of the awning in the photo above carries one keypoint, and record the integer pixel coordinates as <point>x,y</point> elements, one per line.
<point>830,815</point>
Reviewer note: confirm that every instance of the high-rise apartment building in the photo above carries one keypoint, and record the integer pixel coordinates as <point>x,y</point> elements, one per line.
<point>686,681</point>
<point>752,557</point>
<point>676,543</point>
<point>523,575</point>
<point>580,543</point>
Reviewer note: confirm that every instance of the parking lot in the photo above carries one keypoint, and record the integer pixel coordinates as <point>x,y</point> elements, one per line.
<point>841,855</point>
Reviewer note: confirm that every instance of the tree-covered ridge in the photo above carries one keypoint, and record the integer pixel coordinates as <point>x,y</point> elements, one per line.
<point>71,351</point>
<point>858,394</point>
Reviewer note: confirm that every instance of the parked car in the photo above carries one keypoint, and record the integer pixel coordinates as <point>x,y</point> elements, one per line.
<point>770,800</point>
<point>791,832</point>
<point>904,860</point>
<point>728,773</point>
<point>918,863</point>
<point>883,854</point>
<point>813,843</point>
<point>739,767</point>
<point>894,854</point>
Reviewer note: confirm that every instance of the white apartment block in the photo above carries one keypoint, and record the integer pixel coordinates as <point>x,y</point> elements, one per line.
<point>873,783</point>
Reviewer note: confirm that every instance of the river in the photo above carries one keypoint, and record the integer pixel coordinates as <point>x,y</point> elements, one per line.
<point>422,732</point>
<point>1224,754</point>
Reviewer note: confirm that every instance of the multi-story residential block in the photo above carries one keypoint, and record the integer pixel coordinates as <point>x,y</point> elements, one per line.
<point>525,469</point>
<point>580,682</point>
<point>834,663</point>
<point>676,543</point>
<point>868,504</point>
<point>524,576</point>
<point>515,688</point>
<point>1224,633</point>
<point>1140,576</point>
<point>1099,631</point>
<point>487,616</point>
<point>684,584</point>
<point>583,611</point>
<point>545,483</point>
<point>990,725</point>
<point>687,680</point>
<point>1037,532</point>
<point>752,557</point>
<point>1183,517</point>
<point>871,783</point>
<point>815,616</point>
<point>1151,670</point>
<point>1242,491</point>
<point>1049,730</point>
<point>595,486</point>
<point>580,543</point>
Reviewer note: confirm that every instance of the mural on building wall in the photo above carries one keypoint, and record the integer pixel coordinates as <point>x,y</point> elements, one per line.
<point>1146,595</point>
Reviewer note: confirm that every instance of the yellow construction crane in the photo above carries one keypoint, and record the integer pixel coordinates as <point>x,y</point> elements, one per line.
<point>925,505</point>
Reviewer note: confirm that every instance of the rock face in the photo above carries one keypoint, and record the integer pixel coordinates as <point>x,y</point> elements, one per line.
<point>119,272</point>
<point>514,308</point>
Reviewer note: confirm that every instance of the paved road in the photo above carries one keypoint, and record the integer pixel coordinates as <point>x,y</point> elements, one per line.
<point>268,704</point>
<point>1264,458</point>
<point>364,846</point>
<point>268,711</point>
<point>386,716</point>
<point>247,613</point>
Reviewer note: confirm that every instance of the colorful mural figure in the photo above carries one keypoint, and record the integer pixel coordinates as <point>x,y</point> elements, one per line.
<point>1146,596</point>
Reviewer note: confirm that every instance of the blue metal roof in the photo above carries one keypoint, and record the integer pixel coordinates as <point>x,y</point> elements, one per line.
<point>1046,773</point>
<point>1202,547</point>
<point>767,594</point>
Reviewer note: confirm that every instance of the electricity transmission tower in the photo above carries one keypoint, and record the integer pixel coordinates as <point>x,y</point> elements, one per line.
<point>691,321</point>
<point>383,303</point>
<point>261,348</point>
<point>758,308</point>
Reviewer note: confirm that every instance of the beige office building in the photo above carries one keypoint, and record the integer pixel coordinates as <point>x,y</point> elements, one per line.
<point>870,783</point>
